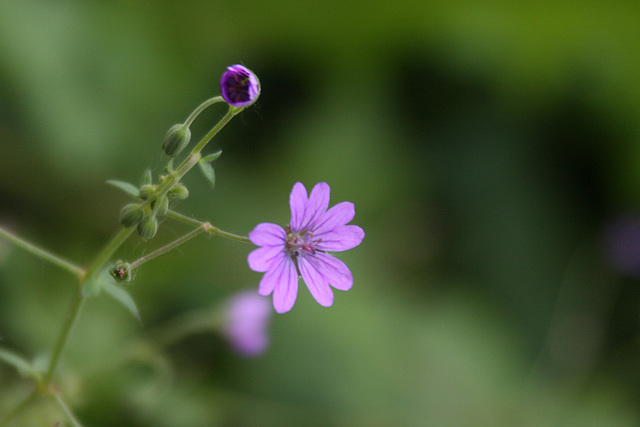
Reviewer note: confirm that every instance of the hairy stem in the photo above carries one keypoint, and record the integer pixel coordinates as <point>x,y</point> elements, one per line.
<point>212,230</point>
<point>201,108</point>
<point>74,312</point>
<point>137,263</point>
<point>45,255</point>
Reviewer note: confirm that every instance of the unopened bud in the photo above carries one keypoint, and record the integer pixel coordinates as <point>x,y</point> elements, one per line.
<point>239,86</point>
<point>148,227</point>
<point>131,214</point>
<point>163,206</point>
<point>146,191</point>
<point>178,191</point>
<point>176,139</point>
<point>121,271</point>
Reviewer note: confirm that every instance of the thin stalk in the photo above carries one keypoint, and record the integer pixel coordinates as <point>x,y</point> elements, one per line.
<point>19,408</point>
<point>76,307</point>
<point>212,230</point>
<point>137,263</point>
<point>201,108</point>
<point>232,112</point>
<point>45,255</point>
<point>67,411</point>
<point>78,301</point>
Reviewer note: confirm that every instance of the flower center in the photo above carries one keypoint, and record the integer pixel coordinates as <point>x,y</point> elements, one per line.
<point>301,243</point>
<point>238,87</point>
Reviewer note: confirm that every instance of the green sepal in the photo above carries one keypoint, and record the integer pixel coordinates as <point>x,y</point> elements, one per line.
<point>178,191</point>
<point>146,178</point>
<point>146,191</point>
<point>163,206</point>
<point>148,227</point>
<point>121,271</point>
<point>211,157</point>
<point>130,189</point>
<point>119,294</point>
<point>131,215</point>
<point>208,172</point>
<point>169,167</point>
<point>20,364</point>
<point>176,139</point>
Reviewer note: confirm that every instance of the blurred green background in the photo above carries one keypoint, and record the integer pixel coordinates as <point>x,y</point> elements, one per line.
<point>493,155</point>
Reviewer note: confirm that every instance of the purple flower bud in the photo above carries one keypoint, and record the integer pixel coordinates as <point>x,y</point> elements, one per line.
<point>622,245</point>
<point>246,321</point>
<point>239,86</point>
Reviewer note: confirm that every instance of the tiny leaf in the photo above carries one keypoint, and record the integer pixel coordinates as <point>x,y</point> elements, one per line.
<point>21,365</point>
<point>130,189</point>
<point>211,157</point>
<point>118,293</point>
<point>207,171</point>
<point>146,178</point>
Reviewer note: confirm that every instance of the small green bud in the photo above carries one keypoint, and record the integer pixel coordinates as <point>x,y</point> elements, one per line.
<point>148,227</point>
<point>163,206</point>
<point>121,271</point>
<point>131,214</point>
<point>176,139</point>
<point>146,191</point>
<point>178,191</point>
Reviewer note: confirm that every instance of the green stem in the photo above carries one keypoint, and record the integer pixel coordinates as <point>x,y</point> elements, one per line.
<point>78,301</point>
<point>204,227</point>
<point>47,256</point>
<point>232,112</point>
<point>212,230</point>
<point>67,411</point>
<point>201,108</point>
<point>76,307</point>
<point>18,409</point>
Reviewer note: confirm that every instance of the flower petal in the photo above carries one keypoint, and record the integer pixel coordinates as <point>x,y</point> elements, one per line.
<point>338,215</point>
<point>262,259</point>
<point>286,288</point>
<point>267,234</point>
<point>335,272</point>
<point>316,206</point>
<point>281,279</point>
<point>297,203</point>
<point>342,238</point>
<point>315,281</point>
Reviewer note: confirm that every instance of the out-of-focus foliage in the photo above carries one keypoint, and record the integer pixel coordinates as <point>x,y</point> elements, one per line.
<point>487,148</point>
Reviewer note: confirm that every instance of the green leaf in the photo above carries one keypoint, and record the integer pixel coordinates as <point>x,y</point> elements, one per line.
<point>207,171</point>
<point>130,189</point>
<point>211,157</point>
<point>94,285</point>
<point>21,365</point>
<point>118,293</point>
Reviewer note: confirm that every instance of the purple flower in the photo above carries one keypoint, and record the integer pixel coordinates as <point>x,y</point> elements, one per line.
<point>301,248</point>
<point>246,321</point>
<point>239,86</point>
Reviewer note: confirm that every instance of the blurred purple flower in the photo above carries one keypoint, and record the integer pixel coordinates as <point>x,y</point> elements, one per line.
<point>246,321</point>
<point>301,248</point>
<point>622,245</point>
<point>239,86</point>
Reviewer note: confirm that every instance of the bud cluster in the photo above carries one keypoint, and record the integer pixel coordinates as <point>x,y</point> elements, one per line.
<point>153,204</point>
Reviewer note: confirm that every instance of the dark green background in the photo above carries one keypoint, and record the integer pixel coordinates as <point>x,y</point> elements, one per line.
<point>486,147</point>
